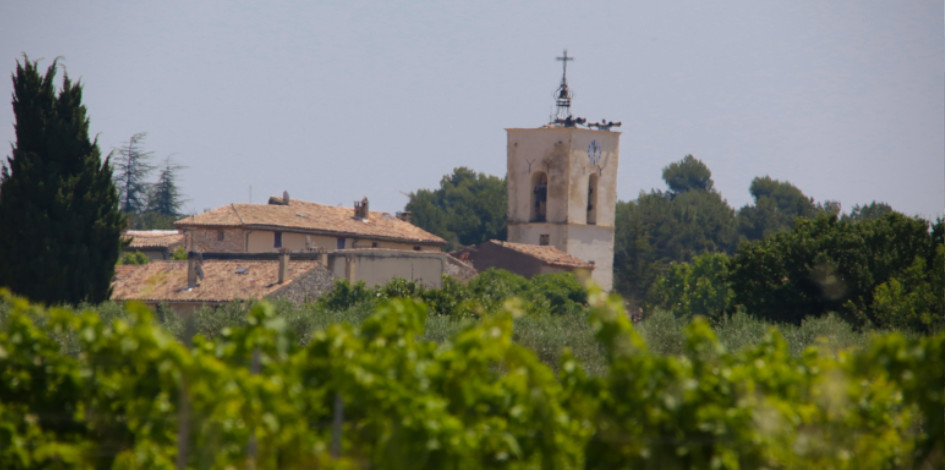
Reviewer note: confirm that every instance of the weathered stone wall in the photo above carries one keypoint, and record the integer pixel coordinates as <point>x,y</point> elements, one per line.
<point>207,240</point>
<point>261,241</point>
<point>562,154</point>
<point>378,267</point>
<point>306,288</point>
<point>594,243</point>
<point>489,255</point>
<point>459,270</point>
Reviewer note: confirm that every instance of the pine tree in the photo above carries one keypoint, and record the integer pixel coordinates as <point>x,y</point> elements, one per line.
<point>131,169</point>
<point>59,221</point>
<point>165,198</point>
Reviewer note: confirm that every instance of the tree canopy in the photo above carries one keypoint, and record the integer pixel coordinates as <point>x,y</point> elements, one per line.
<point>777,203</point>
<point>662,227</point>
<point>687,174</point>
<point>164,198</point>
<point>468,208</point>
<point>828,264</point>
<point>132,167</point>
<point>58,205</point>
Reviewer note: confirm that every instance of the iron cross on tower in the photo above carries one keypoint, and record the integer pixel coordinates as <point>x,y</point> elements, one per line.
<point>563,93</point>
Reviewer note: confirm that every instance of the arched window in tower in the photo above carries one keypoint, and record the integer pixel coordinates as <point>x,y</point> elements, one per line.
<point>592,200</point>
<point>539,197</point>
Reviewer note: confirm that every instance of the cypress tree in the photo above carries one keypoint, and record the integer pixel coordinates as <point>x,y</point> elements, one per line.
<point>59,221</point>
<point>132,166</point>
<point>165,198</point>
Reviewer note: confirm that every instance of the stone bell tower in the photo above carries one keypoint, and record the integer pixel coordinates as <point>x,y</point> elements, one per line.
<point>562,185</point>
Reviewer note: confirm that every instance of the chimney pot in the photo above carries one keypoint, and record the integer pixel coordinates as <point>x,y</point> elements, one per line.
<point>193,269</point>
<point>283,265</point>
<point>361,209</point>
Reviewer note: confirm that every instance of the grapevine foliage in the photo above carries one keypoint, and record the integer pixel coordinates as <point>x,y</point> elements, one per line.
<point>80,392</point>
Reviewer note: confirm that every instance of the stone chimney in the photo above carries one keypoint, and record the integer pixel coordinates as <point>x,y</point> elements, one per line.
<point>361,209</point>
<point>277,201</point>
<point>194,269</point>
<point>283,265</point>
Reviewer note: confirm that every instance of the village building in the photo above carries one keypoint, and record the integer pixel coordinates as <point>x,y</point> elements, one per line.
<point>188,285</point>
<point>562,188</point>
<point>562,196</point>
<point>301,226</point>
<point>286,249</point>
<point>524,259</point>
<point>213,279</point>
<point>155,244</point>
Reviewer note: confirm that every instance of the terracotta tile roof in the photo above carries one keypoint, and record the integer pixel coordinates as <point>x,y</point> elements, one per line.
<point>154,238</point>
<point>547,254</point>
<point>312,217</point>
<point>224,280</point>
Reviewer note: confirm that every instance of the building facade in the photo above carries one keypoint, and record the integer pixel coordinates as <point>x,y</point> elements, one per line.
<point>562,192</point>
<point>562,185</point>
<point>300,226</point>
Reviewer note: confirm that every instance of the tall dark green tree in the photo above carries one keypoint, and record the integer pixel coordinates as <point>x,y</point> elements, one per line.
<point>468,208</point>
<point>777,204</point>
<point>59,217</point>
<point>164,198</point>
<point>873,210</point>
<point>687,174</point>
<point>132,168</point>
<point>660,228</point>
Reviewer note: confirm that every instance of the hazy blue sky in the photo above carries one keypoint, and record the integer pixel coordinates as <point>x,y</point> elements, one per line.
<point>333,101</point>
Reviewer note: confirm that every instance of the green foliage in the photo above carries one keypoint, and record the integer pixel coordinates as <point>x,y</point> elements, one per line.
<point>700,287</point>
<point>757,408</point>
<point>688,174</point>
<point>873,210</point>
<point>150,221</point>
<point>131,169</point>
<point>254,396</point>
<point>344,295</point>
<point>777,204</point>
<point>492,287</point>
<point>136,257</point>
<point>913,300</point>
<point>467,209</point>
<point>58,206</point>
<point>558,294</point>
<point>164,199</point>
<point>660,228</point>
<point>830,265</point>
<point>179,254</point>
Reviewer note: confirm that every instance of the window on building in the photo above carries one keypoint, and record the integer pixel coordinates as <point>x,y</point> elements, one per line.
<point>544,239</point>
<point>592,200</point>
<point>539,197</point>
<point>220,235</point>
<point>416,248</point>
<point>341,243</point>
<point>277,240</point>
<point>373,244</point>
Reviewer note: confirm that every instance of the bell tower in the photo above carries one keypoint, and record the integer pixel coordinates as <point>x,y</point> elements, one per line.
<point>562,185</point>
